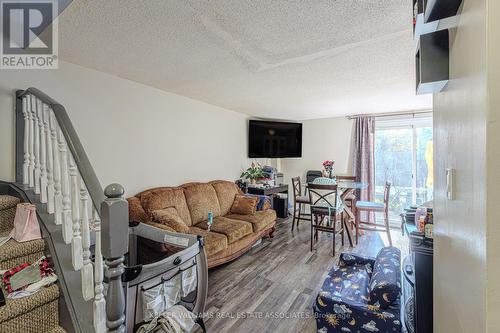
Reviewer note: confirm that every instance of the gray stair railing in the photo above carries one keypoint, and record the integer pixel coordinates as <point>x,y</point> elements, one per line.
<point>114,212</point>
<point>51,161</point>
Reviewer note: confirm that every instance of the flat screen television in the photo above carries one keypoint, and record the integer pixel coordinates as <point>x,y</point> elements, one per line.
<point>274,139</point>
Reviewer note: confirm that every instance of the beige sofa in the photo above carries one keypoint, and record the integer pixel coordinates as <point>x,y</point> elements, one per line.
<point>231,234</point>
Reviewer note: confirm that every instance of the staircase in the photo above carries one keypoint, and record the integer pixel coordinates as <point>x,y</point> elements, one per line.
<point>35,313</point>
<point>54,173</point>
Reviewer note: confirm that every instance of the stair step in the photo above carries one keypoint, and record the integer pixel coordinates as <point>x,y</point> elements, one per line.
<point>32,314</point>
<point>58,329</point>
<point>8,205</point>
<point>13,253</point>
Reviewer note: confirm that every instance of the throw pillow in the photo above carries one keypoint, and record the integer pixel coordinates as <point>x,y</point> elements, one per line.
<point>267,204</point>
<point>170,217</point>
<point>263,203</point>
<point>244,205</point>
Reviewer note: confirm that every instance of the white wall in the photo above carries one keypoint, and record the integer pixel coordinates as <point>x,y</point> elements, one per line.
<point>493,170</point>
<point>466,138</point>
<point>322,139</point>
<point>133,134</point>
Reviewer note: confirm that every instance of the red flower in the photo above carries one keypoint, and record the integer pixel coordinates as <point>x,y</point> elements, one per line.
<point>328,163</point>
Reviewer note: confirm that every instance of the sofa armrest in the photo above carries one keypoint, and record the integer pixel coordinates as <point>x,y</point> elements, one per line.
<point>135,210</point>
<point>349,259</point>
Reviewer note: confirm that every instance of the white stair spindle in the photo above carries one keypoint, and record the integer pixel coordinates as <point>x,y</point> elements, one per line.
<point>67,224</point>
<point>26,160</point>
<point>31,143</point>
<point>99,301</point>
<point>87,271</point>
<point>76,242</point>
<point>58,206</point>
<point>43,153</point>
<point>36,133</point>
<point>50,160</point>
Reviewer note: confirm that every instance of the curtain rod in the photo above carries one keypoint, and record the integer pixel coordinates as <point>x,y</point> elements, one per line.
<point>388,114</point>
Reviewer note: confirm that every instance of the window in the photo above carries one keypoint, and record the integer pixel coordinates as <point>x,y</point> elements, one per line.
<point>403,155</point>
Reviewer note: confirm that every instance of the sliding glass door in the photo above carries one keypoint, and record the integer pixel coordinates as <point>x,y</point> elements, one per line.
<point>403,155</point>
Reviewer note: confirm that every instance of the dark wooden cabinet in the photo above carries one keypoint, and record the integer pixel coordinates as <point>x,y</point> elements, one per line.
<point>418,284</point>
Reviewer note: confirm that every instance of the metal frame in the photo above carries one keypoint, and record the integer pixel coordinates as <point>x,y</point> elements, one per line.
<point>155,273</point>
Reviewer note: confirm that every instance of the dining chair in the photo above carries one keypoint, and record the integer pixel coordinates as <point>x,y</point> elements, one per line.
<point>351,197</point>
<point>299,202</point>
<point>311,175</point>
<point>324,211</point>
<point>374,207</point>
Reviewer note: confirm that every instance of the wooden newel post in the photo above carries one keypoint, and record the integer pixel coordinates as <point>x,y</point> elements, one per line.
<point>114,226</point>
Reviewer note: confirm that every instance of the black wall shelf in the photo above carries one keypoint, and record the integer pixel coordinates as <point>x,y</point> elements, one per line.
<point>432,62</point>
<point>422,27</point>
<point>439,9</point>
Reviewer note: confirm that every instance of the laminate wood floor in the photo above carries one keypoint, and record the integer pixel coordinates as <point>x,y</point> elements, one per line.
<point>272,287</point>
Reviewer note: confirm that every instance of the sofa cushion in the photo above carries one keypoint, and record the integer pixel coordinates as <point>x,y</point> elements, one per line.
<point>233,229</point>
<point>214,242</point>
<point>260,220</point>
<point>170,217</point>
<point>167,197</point>
<point>226,191</point>
<point>201,199</point>
<point>160,226</point>
<point>385,284</point>
<point>239,247</point>
<point>244,205</point>
<point>348,282</point>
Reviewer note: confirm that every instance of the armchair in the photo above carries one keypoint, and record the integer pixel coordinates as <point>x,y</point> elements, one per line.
<point>361,295</point>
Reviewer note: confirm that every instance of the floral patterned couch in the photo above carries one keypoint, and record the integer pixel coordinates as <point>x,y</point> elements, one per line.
<point>361,295</point>
<point>231,235</point>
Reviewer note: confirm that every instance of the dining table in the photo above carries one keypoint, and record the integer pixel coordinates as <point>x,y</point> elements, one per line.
<point>345,188</point>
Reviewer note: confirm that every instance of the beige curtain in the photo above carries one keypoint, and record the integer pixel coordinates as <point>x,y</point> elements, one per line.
<point>364,158</point>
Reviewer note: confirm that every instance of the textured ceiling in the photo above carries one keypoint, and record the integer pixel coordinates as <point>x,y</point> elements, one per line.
<point>299,59</point>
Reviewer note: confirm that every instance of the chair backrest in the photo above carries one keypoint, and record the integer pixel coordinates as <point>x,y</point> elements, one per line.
<point>324,181</point>
<point>387,192</point>
<point>322,195</point>
<point>312,175</point>
<point>297,187</point>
